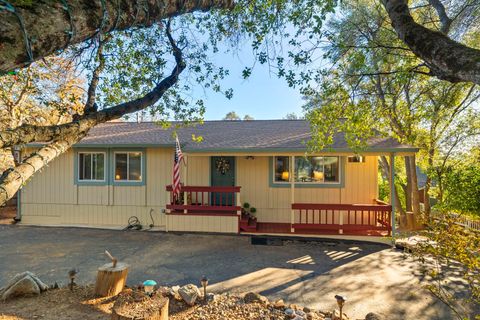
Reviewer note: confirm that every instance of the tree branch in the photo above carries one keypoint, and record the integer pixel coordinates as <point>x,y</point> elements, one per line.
<point>55,27</point>
<point>442,15</point>
<point>64,136</point>
<point>32,133</point>
<point>92,88</point>
<point>447,59</point>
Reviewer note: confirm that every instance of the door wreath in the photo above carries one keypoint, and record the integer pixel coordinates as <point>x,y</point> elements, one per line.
<point>222,165</point>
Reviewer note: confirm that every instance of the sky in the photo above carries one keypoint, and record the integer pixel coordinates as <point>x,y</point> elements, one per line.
<point>262,96</point>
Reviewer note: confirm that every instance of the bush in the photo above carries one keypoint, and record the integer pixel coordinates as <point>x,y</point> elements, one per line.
<point>452,249</point>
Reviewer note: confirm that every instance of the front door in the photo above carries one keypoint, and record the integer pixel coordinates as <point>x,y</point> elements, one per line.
<point>222,173</point>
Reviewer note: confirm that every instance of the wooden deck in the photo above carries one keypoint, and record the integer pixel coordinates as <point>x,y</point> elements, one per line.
<point>324,219</point>
<point>284,228</point>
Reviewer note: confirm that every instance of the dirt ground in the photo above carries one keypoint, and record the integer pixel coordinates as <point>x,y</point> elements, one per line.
<point>61,304</point>
<point>7,214</point>
<point>64,304</point>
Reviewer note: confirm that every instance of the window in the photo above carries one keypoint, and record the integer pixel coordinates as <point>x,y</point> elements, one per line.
<point>128,166</point>
<point>282,169</point>
<point>91,166</point>
<point>356,159</point>
<point>317,169</point>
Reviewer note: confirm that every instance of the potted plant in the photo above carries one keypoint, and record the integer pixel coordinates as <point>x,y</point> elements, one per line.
<point>248,210</point>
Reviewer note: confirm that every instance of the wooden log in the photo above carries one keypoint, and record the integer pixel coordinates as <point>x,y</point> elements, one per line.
<point>111,279</point>
<point>126,311</point>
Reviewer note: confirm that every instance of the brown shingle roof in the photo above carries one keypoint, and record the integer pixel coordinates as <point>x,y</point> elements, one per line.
<point>255,135</point>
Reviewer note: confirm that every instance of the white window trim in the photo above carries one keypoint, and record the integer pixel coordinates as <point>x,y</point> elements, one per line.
<point>292,176</point>
<point>80,166</point>
<point>128,166</point>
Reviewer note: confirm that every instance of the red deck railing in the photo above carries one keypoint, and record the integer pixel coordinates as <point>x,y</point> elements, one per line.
<point>203,199</point>
<point>345,217</point>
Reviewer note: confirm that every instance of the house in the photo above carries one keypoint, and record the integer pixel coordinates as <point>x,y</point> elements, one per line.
<point>124,169</point>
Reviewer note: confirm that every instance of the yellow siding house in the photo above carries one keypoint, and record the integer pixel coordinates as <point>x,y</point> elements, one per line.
<point>122,171</point>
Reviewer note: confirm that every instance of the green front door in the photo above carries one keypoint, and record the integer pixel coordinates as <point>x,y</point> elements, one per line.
<point>222,173</point>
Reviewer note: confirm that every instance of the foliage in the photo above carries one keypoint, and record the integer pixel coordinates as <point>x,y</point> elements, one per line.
<point>451,249</point>
<point>232,115</point>
<point>461,185</point>
<point>47,92</point>
<point>247,209</point>
<point>292,116</point>
<point>376,86</point>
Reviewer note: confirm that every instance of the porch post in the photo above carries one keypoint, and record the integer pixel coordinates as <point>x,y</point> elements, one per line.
<point>292,192</point>
<point>239,203</point>
<point>392,190</point>
<point>185,182</point>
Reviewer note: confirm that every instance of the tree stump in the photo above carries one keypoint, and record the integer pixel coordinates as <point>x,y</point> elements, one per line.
<point>136,305</point>
<point>111,279</point>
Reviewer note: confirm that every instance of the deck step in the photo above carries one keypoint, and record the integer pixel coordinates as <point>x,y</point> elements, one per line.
<point>248,223</point>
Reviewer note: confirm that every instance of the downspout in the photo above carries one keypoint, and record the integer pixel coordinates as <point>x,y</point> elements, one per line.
<point>392,191</point>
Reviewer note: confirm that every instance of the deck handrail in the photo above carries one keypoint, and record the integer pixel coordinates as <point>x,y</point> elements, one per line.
<point>342,217</point>
<point>205,199</point>
<point>206,188</point>
<point>334,206</point>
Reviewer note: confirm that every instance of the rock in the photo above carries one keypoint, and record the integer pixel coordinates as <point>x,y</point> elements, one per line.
<point>373,316</point>
<point>298,318</point>
<point>211,296</point>
<point>252,297</point>
<point>294,307</point>
<point>313,316</point>
<point>174,290</point>
<point>307,309</point>
<point>290,313</point>
<point>23,284</point>
<point>300,313</point>
<point>189,293</point>
<point>279,304</point>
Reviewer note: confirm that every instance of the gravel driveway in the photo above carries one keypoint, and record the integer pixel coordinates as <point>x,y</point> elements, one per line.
<point>309,273</point>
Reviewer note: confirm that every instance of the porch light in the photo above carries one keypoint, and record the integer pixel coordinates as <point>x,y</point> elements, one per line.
<point>318,175</point>
<point>204,282</point>
<point>340,302</point>
<point>285,175</point>
<point>149,286</point>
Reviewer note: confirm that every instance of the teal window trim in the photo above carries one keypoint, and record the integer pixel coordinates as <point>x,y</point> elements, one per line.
<point>79,182</point>
<point>340,184</point>
<point>143,163</point>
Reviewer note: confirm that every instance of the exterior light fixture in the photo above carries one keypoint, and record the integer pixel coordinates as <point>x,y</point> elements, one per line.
<point>71,275</point>
<point>149,286</point>
<point>250,158</point>
<point>340,302</point>
<point>204,282</point>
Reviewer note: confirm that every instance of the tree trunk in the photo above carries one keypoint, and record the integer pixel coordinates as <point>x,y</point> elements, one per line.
<point>386,172</point>
<point>49,26</point>
<point>447,59</point>
<point>415,195</point>
<point>111,279</point>
<point>14,178</point>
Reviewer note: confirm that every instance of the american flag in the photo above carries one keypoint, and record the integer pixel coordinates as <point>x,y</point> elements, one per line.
<point>176,168</point>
